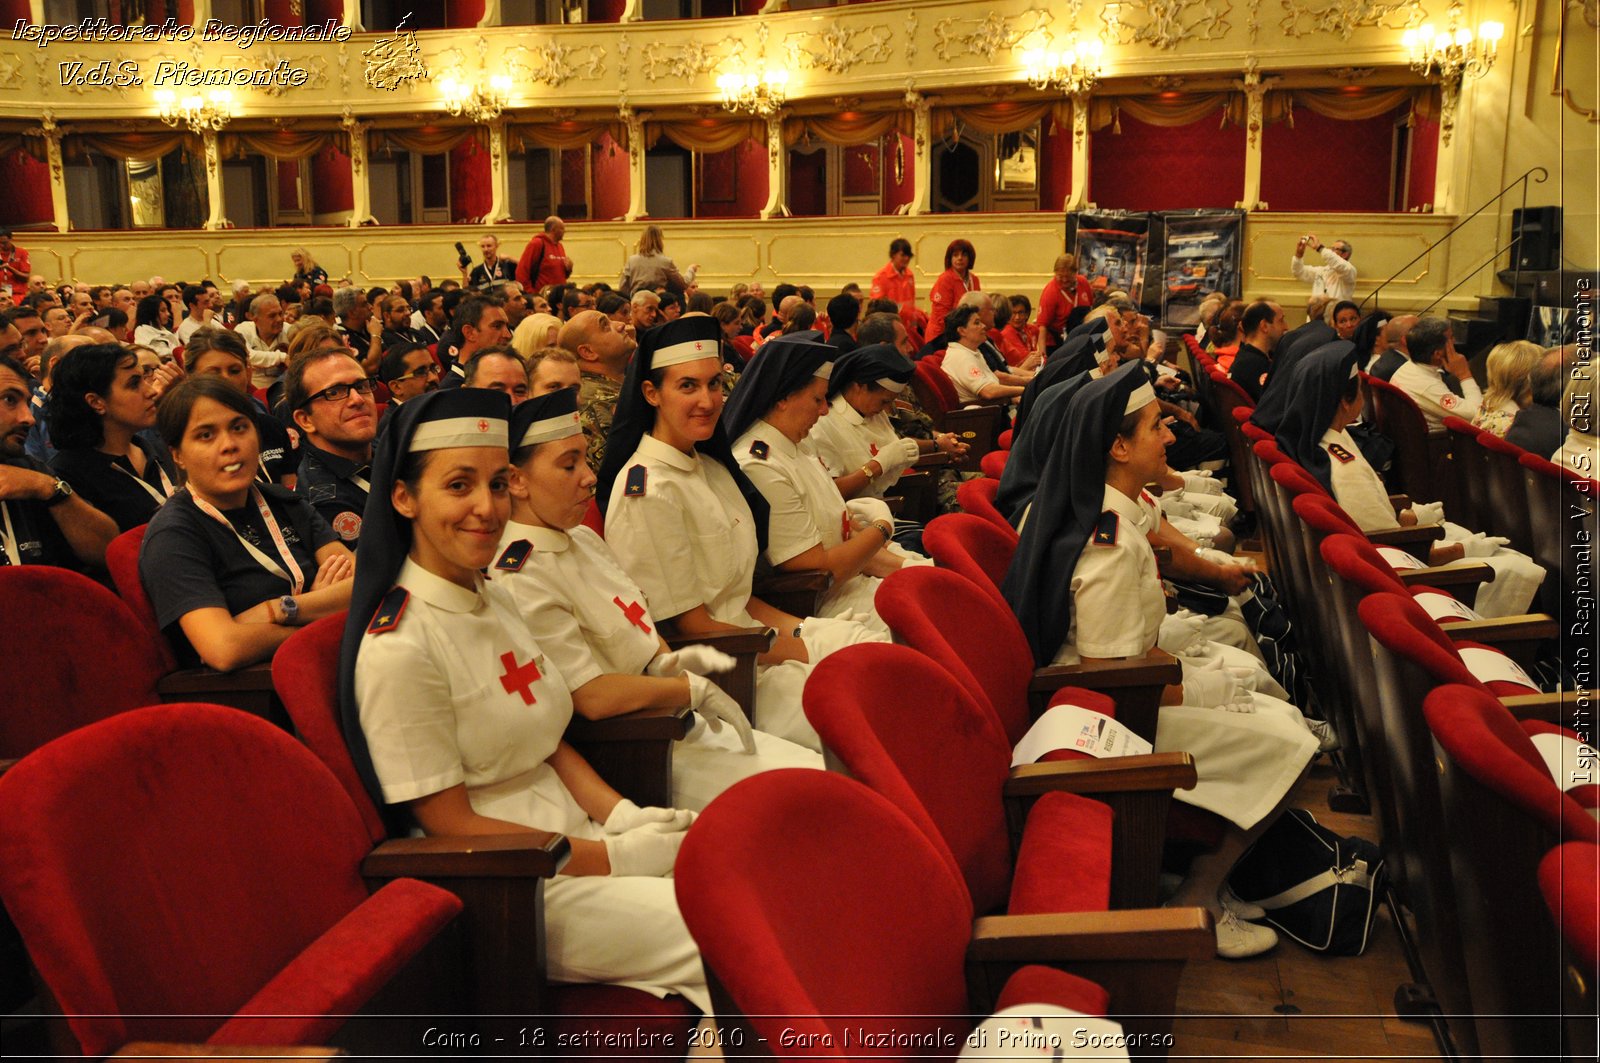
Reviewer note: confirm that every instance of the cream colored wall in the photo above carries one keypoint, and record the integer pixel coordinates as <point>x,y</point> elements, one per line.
<point>1015,251</point>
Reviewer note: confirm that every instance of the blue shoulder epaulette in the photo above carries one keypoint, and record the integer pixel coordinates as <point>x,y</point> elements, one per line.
<point>1105,532</point>
<point>387,618</point>
<point>634,486</point>
<point>515,557</point>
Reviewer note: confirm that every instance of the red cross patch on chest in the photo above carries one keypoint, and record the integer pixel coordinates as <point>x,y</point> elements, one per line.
<point>635,614</point>
<point>519,679</point>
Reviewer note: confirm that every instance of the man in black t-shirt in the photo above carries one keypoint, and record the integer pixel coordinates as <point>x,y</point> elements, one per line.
<point>41,521</point>
<point>1262,326</point>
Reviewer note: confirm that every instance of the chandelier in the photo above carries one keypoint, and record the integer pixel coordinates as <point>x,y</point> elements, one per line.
<point>474,101</point>
<point>1073,71</point>
<point>757,94</point>
<point>201,114</point>
<point>1455,52</point>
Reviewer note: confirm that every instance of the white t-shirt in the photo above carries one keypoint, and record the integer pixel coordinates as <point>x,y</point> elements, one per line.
<point>970,373</point>
<point>1433,397</point>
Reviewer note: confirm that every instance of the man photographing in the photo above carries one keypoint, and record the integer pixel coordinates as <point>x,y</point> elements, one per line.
<point>1336,278</point>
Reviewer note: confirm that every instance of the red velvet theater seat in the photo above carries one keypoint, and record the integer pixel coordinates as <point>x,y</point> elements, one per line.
<point>994,463</point>
<point>821,909</point>
<point>72,654</point>
<point>972,546</point>
<point>190,873</point>
<point>977,497</point>
<point>1569,875</point>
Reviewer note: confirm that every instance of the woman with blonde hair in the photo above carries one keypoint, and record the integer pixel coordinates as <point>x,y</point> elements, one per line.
<point>1509,389</point>
<point>306,268</point>
<point>651,268</point>
<point>534,332</point>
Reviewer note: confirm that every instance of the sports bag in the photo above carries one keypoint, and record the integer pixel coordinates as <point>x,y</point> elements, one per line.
<point>1317,887</point>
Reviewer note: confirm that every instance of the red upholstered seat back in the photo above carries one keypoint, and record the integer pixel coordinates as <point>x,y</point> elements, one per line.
<point>122,561</point>
<point>966,630</point>
<point>1229,394</point>
<point>993,463</point>
<point>972,546</point>
<point>305,673</point>
<point>1569,876</point>
<point>1480,734</point>
<point>1254,432</point>
<point>594,520</point>
<point>1357,560</point>
<point>171,861</point>
<point>1324,516</point>
<point>818,905</point>
<point>977,497</point>
<point>72,654</point>
<point>936,384</point>
<point>875,705</point>
<point>1295,479</point>
<point>1401,626</point>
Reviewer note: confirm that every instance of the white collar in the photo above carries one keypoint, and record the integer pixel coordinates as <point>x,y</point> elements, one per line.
<point>544,540</point>
<point>656,450</point>
<point>841,408</point>
<point>1130,509</point>
<point>438,591</point>
<point>764,431</point>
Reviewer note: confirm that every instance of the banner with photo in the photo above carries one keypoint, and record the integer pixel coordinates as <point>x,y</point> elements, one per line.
<point>1112,248</point>
<point>1201,256</point>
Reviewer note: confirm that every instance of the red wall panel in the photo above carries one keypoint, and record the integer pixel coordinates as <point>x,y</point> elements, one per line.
<point>611,180</point>
<point>898,193</point>
<point>748,164</point>
<point>1055,167</point>
<point>27,184</point>
<point>470,193</point>
<point>330,182</point>
<point>1327,164</point>
<point>1424,163</point>
<point>1149,167</point>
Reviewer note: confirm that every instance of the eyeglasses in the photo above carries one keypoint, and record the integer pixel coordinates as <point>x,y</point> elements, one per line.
<point>424,372</point>
<point>340,392</point>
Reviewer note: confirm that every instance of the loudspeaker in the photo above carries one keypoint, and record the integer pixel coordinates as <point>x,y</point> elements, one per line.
<point>1537,235</point>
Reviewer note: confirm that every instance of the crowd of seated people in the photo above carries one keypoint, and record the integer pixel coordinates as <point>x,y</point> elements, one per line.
<point>308,449</point>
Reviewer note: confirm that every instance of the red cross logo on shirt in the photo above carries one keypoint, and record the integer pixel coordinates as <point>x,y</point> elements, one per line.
<point>519,679</point>
<point>635,614</point>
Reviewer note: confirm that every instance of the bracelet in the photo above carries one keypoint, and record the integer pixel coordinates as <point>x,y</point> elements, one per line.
<point>885,529</point>
<point>864,468</point>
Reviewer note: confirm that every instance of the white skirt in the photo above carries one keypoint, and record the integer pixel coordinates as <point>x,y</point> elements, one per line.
<point>707,762</point>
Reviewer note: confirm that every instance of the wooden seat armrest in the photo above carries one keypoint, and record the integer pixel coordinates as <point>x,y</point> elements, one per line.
<point>1152,771</point>
<point>895,503</point>
<point>972,423</point>
<point>1559,708</point>
<point>933,459</point>
<point>644,725</point>
<point>816,580</point>
<point>202,681</point>
<point>1529,627</point>
<point>1447,575</point>
<point>1405,538</point>
<point>534,854</point>
<point>1066,937</point>
<point>742,640</point>
<point>1400,502</point>
<point>1156,668</point>
<point>174,1051</point>
<point>7,763</point>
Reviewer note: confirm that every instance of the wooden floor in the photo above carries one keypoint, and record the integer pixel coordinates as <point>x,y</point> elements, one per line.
<point>1293,1003</point>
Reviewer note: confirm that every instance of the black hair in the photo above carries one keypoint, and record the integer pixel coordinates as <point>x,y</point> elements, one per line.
<point>1256,314</point>
<point>90,369</point>
<point>899,246</point>
<point>393,366</point>
<point>844,311</point>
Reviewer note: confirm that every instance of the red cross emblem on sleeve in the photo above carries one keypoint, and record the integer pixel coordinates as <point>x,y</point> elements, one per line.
<point>635,614</point>
<point>519,679</point>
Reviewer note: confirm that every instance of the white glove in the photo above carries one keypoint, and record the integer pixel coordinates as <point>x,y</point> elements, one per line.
<point>1180,633</point>
<point>712,702</point>
<point>702,660</point>
<point>864,511</point>
<point>1217,557</point>
<point>1428,512</point>
<point>898,456</point>
<point>1200,482</point>
<point>647,851</point>
<point>1212,686</point>
<point>1484,545</point>
<point>1173,505</point>
<point>627,816</point>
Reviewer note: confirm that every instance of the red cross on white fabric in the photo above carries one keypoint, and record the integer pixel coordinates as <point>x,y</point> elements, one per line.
<point>519,679</point>
<point>635,614</point>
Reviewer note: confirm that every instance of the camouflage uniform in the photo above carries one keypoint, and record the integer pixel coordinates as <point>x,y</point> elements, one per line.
<point>597,403</point>
<point>910,420</point>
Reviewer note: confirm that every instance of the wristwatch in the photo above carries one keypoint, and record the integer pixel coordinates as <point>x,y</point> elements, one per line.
<point>59,494</point>
<point>291,610</point>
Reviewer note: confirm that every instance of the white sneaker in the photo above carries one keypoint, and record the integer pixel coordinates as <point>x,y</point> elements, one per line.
<point>1327,737</point>
<point>1240,908</point>
<point>1237,940</point>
